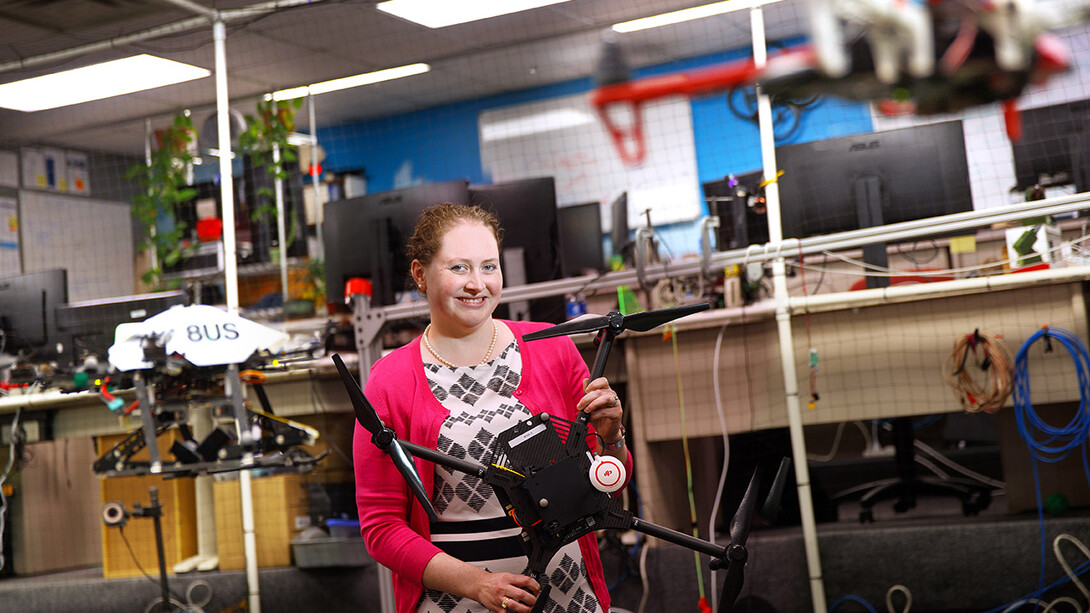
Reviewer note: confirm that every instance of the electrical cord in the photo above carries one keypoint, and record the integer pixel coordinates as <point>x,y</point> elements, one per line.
<point>713,588</point>
<point>1047,443</point>
<point>688,463</point>
<point>993,357</point>
<point>175,598</point>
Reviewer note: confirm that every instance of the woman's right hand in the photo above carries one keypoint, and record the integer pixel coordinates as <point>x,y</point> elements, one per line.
<point>501,592</point>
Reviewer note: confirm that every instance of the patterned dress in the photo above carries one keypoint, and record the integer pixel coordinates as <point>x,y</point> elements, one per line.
<point>472,526</point>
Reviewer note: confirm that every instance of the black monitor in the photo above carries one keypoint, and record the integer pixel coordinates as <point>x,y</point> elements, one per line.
<point>873,179</point>
<point>28,312</point>
<point>528,213</point>
<point>619,236</point>
<point>91,324</point>
<point>739,203</point>
<point>365,237</point>
<point>1055,146</point>
<point>581,239</point>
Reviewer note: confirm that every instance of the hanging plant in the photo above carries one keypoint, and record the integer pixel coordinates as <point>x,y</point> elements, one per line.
<point>274,123</point>
<point>164,184</point>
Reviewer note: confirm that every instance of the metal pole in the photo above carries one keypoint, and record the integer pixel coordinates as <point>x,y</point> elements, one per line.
<point>230,269</point>
<point>319,211</point>
<point>281,226</point>
<point>783,322</point>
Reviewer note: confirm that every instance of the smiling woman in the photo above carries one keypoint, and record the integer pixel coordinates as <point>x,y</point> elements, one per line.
<point>465,380</point>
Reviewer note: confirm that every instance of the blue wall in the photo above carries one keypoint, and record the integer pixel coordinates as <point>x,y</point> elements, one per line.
<point>441,143</point>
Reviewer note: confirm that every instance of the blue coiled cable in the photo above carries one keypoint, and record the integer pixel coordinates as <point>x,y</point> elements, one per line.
<point>1046,442</point>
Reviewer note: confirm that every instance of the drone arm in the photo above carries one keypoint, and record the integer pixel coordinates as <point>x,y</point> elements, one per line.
<point>438,457</point>
<point>679,538</point>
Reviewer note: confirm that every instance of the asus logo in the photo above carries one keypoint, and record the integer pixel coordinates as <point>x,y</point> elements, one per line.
<point>864,146</point>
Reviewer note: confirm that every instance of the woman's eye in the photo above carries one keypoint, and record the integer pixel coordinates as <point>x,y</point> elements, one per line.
<point>459,268</point>
<point>490,267</point>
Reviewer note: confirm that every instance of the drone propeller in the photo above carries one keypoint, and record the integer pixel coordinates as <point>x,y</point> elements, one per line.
<point>737,554</point>
<point>617,323</point>
<point>384,438</point>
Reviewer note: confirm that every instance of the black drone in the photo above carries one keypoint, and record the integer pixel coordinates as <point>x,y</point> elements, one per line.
<point>540,470</point>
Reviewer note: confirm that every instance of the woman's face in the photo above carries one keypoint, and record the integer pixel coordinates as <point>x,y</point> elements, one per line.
<point>463,280</point>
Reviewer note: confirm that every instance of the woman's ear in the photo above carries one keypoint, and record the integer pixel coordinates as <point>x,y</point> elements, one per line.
<point>418,275</point>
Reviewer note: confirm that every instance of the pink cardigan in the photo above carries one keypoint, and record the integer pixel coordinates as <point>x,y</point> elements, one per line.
<point>394,526</point>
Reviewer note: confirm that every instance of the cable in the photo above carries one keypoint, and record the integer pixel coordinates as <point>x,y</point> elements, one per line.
<point>713,588</point>
<point>1047,443</point>
<point>688,462</point>
<point>4,478</point>
<point>889,598</point>
<point>993,357</point>
<point>928,449</point>
<point>175,598</point>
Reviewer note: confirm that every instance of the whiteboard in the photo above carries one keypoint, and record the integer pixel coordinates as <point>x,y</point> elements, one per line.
<point>564,138</point>
<point>91,239</point>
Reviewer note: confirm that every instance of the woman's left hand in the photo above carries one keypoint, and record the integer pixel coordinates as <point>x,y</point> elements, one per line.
<point>604,407</point>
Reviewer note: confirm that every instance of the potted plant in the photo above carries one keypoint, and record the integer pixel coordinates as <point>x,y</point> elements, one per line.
<point>165,186</point>
<point>269,130</point>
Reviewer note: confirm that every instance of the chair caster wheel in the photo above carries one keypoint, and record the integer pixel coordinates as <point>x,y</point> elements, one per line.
<point>866,516</point>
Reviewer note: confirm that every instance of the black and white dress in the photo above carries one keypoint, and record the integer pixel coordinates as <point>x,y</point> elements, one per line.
<point>472,525</point>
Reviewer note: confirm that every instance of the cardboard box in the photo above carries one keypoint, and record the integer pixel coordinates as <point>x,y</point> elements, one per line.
<point>281,511</point>
<point>179,519</point>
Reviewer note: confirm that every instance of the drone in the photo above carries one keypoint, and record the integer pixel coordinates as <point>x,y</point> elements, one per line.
<point>913,58</point>
<point>199,354</point>
<point>541,470</point>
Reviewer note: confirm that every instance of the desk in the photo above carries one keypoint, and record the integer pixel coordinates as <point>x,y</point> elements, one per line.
<point>877,361</point>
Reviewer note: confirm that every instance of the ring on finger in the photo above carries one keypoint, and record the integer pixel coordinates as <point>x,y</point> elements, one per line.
<point>613,401</point>
<point>503,603</point>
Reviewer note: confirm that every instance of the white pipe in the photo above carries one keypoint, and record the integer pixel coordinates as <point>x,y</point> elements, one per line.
<point>319,208</point>
<point>227,182</point>
<point>176,27</point>
<point>194,7</point>
<point>902,293</point>
<point>281,226</point>
<point>781,297</point>
<point>230,271</point>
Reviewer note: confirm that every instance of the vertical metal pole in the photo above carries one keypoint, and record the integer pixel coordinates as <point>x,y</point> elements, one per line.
<point>230,269</point>
<point>783,322</point>
<point>369,349</point>
<point>156,516</point>
<point>147,162</point>
<point>227,181</point>
<point>319,211</point>
<point>281,225</point>
<point>146,397</point>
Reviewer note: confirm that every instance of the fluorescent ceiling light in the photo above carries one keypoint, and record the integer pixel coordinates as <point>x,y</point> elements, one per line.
<point>442,13</point>
<point>697,12</point>
<point>366,78</point>
<point>546,121</point>
<point>105,80</point>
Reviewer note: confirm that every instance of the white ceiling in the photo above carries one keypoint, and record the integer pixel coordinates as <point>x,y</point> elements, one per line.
<point>329,39</point>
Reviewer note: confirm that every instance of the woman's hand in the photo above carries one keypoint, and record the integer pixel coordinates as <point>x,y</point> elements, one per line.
<point>492,590</point>
<point>604,407</point>
<point>502,592</point>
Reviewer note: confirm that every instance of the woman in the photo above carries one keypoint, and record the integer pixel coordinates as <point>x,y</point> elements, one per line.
<point>466,379</point>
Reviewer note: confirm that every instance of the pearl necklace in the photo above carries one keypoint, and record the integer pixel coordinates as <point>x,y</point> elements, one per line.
<point>446,362</point>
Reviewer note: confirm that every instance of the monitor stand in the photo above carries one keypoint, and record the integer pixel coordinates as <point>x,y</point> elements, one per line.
<point>868,210</point>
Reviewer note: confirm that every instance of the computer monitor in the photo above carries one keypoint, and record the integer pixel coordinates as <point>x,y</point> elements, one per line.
<point>1054,148</point>
<point>365,237</point>
<point>91,324</point>
<point>28,312</point>
<point>581,239</point>
<point>739,203</point>
<point>621,244</point>
<point>531,244</point>
<point>873,179</point>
